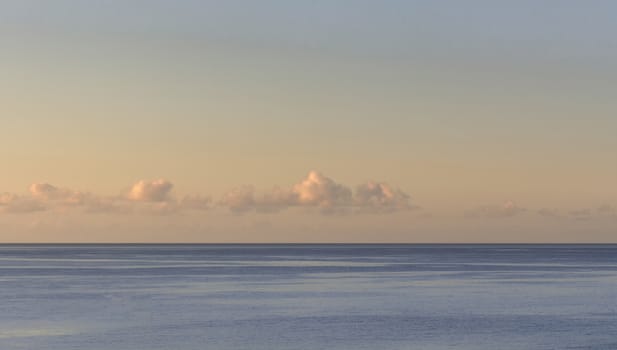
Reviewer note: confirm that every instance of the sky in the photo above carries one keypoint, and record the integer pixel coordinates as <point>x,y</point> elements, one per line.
<point>308,121</point>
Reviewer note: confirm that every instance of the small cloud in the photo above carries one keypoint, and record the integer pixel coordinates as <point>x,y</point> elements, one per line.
<point>506,210</point>
<point>47,192</point>
<point>239,200</point>
<point>380,197</point>
<point>584,214</point>
<point>107,205</point>
<point>14,204</point>
<point>318,191</point>
<point>62,198</point>
<point>151,191</point>
<point>7,198</point>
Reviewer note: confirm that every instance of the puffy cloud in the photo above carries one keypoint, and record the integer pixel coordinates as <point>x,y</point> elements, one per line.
<point>145,197</point>
<point>316,190</point>
<point>380,197</point>
<point>45,191</point>
<point>506,210</point>
<point>151,190</point>
<point>154,197</point>
<point>321,191</point>
<point>56,197</point>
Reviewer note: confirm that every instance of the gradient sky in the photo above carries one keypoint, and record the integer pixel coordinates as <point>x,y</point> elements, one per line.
<point>308,121</point>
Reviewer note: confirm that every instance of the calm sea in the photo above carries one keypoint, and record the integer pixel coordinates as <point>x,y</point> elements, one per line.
<point>271,297</point>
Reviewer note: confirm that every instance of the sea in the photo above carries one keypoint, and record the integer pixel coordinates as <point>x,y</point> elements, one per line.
<point>301,296</point>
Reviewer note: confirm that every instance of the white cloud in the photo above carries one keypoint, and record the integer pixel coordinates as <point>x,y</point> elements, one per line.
<point>319,190</point>
<point>151,191</point>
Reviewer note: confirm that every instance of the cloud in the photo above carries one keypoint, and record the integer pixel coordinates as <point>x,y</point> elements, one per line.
<point>603,211</point>
<point>7,198</point>
<point>145,197</point>
<point>380,197</point>
<point>321,191</point>
<point>155,197</point>
<point>106,205</point>
<point>195,202</point>
<point>318,191</point>
<point>151,191</point>
<point>239,200</point>
<point>506,210</point>
<point>61,198</point>
<point>244,199</point>
<point>275,200</point>
<point>45,191</point>
<point>12,203</point>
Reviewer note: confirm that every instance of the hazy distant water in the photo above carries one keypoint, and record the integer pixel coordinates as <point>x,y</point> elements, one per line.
<point>308,297</point>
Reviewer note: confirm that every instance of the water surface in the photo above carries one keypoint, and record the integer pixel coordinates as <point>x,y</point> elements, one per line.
<point>308,297</point>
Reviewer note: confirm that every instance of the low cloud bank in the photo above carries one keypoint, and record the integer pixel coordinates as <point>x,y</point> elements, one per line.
<point>603,211</point>
<point>321,192</point>
<point>145,196</point>
<point>315,191</point>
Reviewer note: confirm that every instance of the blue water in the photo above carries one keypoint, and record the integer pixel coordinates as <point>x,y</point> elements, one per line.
<point>308,297</point>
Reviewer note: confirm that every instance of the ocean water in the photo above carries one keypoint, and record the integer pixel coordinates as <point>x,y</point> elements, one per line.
<point>273,297</point>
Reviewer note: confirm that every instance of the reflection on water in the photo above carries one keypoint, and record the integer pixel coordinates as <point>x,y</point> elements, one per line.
<point>308,297</point>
